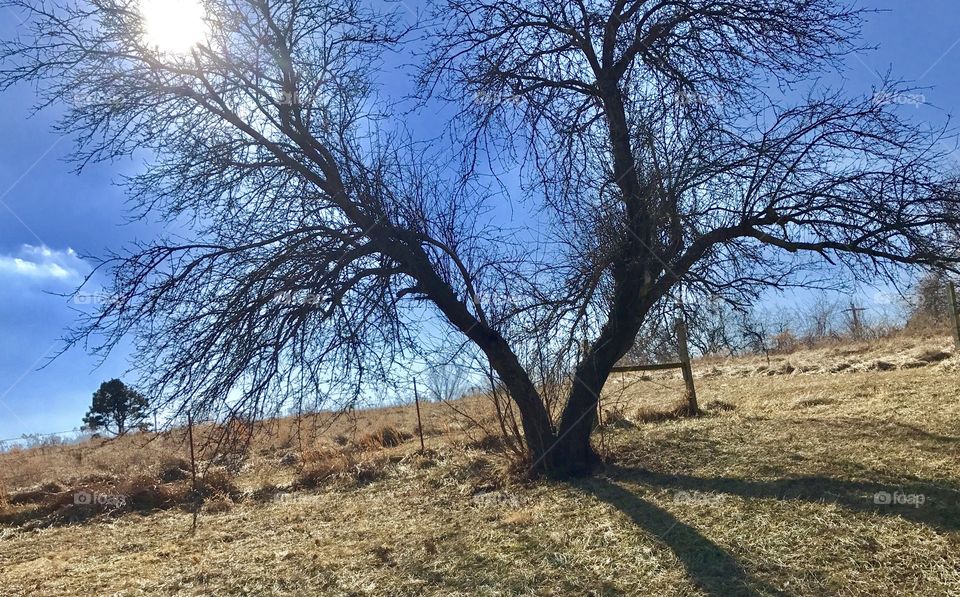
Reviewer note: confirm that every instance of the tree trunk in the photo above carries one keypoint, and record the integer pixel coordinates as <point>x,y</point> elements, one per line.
<point>575,456</point>
<point>538,431</point>
<point>572,454</point>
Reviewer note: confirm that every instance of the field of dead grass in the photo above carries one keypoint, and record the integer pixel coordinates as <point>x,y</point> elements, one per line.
<point>778,489</point>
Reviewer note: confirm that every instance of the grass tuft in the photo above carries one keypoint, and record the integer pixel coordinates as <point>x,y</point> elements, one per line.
<point>384,437</point>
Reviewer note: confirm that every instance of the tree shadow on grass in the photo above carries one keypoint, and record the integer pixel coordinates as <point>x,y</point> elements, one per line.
<point>717,572</point>
<point>939,506</point>
<point>709,566</point>
<point>877,430</point>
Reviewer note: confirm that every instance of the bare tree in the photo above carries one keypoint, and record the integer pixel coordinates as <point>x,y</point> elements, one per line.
<point>314,234</point>
<point>657,142</point>
<point>447,380</point>
<point>929,307</point>
<point>821,320</point>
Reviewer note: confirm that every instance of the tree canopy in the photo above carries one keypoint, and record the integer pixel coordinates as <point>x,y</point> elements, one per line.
<point>116,408</point>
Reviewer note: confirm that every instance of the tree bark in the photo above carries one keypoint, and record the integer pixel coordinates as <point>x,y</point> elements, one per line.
<point>575,456</point>
<point>538,431</point>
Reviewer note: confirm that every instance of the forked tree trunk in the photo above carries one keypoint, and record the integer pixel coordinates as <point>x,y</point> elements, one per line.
<point>573,454</point>
<point>569,452</point>
<point>549,453</point>
<point>565,451</point>
<point>555,453</point>
<point>570,456</point>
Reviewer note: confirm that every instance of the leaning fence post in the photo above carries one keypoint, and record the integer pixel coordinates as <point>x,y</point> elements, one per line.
<point>603,442</point>
<point>416,399</point>
<point>685,367</point>
<point>954,318</point>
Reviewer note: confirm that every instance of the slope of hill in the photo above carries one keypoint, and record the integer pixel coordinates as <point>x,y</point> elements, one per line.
<point>803,477</point>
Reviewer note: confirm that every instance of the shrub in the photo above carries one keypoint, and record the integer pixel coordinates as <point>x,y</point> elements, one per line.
<point>218,481</point>
<point>35,495</point>
<point>489,443</point>
<point>145,493</point>
<point>175,469</point>
<point>930,307</point>
<point>384,437</point>
<point>322,467</point>
<point>337,465</point>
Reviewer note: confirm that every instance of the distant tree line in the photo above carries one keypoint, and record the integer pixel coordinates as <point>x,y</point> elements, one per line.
<point>720,328</point>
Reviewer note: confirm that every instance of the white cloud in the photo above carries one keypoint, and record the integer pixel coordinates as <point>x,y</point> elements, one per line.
<point>43,263</point>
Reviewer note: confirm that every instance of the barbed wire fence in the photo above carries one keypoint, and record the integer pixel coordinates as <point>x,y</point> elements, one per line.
<point>56,438</point>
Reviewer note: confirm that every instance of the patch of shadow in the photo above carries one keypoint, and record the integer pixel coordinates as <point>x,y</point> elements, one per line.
<point>934,356</point>
<point>709,566</point>
<point>866,427</point>
<point>939,507</point>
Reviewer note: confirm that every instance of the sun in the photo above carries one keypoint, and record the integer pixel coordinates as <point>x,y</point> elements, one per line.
<point>173,26</point>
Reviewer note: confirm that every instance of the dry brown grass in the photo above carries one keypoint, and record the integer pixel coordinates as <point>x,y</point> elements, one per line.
<point>896,353</point>
<point>770,492</point>
<point>387,436</point>
<point>337,466</point>
<point>218,504</point>
<point>276,455</point>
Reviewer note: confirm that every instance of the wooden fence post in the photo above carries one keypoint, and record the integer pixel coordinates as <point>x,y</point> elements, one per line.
<point>603,441</point>
<point>416,398</point>
<point>954,317</point>
<point>193,471</point>
<point>686,368</point>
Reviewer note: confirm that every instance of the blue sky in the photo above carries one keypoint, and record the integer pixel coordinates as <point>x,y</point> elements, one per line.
<point>51,218</point>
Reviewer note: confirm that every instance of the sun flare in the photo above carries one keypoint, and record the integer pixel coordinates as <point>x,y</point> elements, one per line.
<point>173,26</point>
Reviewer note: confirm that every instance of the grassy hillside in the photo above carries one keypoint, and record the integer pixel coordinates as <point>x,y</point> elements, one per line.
<point>778,490</point>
